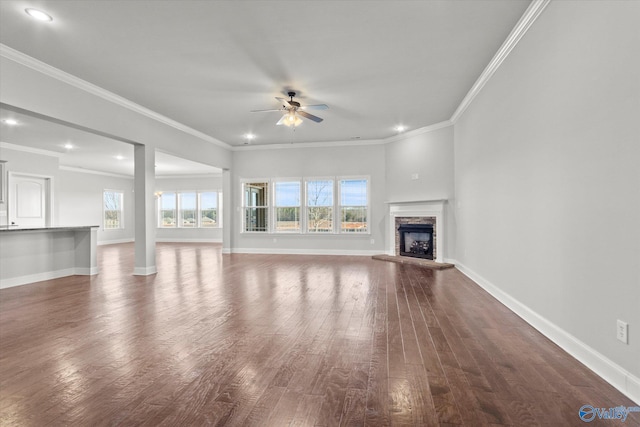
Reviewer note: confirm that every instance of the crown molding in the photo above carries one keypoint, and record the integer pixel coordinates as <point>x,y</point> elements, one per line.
<point>16,147</point>
<point>94,172</point>
<point>528,18</point>
<point>419,131</point>
<point>308,145</point>
<point>48,70</point>
<point>382,141</point>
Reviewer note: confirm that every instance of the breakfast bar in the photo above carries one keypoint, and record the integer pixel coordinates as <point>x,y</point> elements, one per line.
<point>30,255</point>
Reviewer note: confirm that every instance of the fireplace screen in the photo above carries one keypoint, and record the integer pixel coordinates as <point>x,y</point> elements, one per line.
<point>416,240</point>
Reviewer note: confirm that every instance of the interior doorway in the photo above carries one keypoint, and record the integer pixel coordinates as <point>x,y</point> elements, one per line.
<point>29,200</point>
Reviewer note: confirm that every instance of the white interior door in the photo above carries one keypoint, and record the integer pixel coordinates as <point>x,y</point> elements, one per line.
<point>28,200</point>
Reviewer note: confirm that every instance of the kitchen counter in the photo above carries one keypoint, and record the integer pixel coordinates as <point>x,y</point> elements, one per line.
<point>33,254</point>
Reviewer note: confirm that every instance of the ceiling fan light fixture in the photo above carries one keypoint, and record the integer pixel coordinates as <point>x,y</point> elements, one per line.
<point>292,120</point>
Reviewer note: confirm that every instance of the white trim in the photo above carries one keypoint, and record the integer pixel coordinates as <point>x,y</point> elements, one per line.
<point>16,147</point>
<point>47,275</point>
<point>84,85</point>
<point>190,176</point>
<point>528,18</point>
<point>431,128</point>
<point>86,271</point>
<point>400,137</point>
<point>324,144</point>
<point>145,271</point>
<point>611,372</point>
<point>115,241</point>
<point>180,240</point>
<point>94,172</point>
<point>269,251</point>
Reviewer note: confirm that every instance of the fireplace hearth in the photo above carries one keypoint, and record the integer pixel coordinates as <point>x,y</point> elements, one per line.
<point>416,240</point>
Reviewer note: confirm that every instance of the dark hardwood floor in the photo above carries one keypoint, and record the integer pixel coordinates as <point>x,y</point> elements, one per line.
<point>272,340</point>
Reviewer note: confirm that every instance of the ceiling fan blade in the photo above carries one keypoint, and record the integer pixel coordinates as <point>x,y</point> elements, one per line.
<point>315,107</point>
<point>285,103</point>
<point>282,119</point>
<point>310,116</point>
<point>266,111</point>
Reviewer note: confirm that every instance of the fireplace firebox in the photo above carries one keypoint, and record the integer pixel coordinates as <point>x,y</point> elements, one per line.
<point>416,240</point>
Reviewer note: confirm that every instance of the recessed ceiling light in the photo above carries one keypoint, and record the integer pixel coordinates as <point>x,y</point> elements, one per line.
<point>38,15</point>
<point>68,146</point>
<point>119,157</point>
<point>250,136</point>
<point>400,128</point>
<point>10,122</point>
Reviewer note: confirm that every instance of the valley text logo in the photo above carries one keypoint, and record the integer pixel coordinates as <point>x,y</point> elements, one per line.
<point>588,413</point>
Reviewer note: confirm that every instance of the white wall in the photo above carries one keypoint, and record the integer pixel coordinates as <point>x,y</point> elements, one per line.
<point>429,155</point>
<point>312,162</point>
<point>79,200</point>
<point>202,183</point>
<point>547,172</point>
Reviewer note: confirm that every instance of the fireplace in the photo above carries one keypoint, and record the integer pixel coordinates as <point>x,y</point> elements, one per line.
<point>430,212</point>
<point>416,240</point>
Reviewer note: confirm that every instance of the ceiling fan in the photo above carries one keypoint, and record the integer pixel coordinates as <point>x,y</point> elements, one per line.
<point>293,111</point>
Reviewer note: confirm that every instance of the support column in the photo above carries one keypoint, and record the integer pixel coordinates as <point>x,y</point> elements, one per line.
<point>145,213</point>
<point>229,213</point>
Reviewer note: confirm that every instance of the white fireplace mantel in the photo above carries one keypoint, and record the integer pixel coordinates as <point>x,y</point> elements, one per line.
<point>417,208</point>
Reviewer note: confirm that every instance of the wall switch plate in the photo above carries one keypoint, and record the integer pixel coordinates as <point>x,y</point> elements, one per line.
<point>622,331</point>
<point>414,176</point>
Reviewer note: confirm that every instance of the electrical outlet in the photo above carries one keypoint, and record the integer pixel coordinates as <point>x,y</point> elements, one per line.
<point>373,241</point>
<point>622,331</point>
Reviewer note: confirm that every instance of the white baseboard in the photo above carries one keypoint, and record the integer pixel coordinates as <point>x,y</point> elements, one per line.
<point>611,372</point>
<point>145,271</point>
<point>38,277</point>
<point>271,251</point>
<point>86,271</point>
<point>114,242</point>
<point>178,240</point>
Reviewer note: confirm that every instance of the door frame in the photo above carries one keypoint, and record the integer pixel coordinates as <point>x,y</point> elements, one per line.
<point>48,196</point>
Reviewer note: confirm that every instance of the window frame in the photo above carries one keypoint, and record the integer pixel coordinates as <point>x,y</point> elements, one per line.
<point>121,210</point>
<point>244,207</point>
<point>332,206</point>
<point>274,206</point>
<point>178,209</point>
<point>336,206</point>
<point>339,205</point>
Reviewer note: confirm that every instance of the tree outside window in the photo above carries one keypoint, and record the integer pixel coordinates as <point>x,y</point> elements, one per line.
<point>320,206</point>
<point>113,209</point>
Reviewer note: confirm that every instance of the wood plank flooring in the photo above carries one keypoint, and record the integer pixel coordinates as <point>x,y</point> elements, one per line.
<point>273,340</point>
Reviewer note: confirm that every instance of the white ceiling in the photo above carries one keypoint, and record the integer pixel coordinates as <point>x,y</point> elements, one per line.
<point>89,151</point>
<point>206,64</point>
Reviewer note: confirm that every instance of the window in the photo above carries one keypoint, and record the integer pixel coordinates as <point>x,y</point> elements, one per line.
<point>113,209</point>
<point>189,209</point>
<point>287,206</point>
<point>168,210</point>
<point>330,205</point>
<point>319,198</point>
<point>353,206</point>
<point>255,206</point>
<point>209,209</point>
